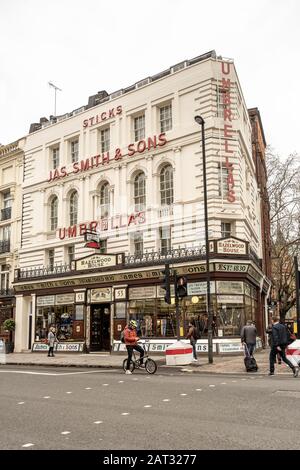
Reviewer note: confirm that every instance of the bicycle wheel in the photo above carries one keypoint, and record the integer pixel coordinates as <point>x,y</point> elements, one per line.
<point>131,367</point>
<point>150,366</point>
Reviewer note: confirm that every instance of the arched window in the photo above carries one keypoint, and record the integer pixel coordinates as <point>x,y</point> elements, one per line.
<point>166,186</point>
<point>53,213</point>
<point>73,208</point>
<point>104,200</point>
<point>140,192</point>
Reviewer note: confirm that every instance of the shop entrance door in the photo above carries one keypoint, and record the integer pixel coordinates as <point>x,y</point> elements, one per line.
<point>100,327</point>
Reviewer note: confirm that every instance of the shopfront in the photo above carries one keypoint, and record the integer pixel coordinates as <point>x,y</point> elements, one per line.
<point>91,312</point>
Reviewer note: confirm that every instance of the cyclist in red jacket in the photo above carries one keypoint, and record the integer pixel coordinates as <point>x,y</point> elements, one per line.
<point>131,340</point>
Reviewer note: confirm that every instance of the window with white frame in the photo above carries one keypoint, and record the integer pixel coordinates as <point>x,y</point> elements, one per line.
<point>138,243</point>
<point>51,257</point>
<point>139,127</point>
<point>105,140</point>
<point>166,186</point>
<point>71,253</point>
<point>55,156</point>
<point>165,239</point>
<point>74,145</point>
<point>140,192</point>
<point>104,200</point>
<point>221,94</point>
<point>6,232</point>
<point>165,118</point>
<point>54,213</point>
<point>4,280</point>
<point>226,229</point>
<point>73,208</point>
<point>223,180</point>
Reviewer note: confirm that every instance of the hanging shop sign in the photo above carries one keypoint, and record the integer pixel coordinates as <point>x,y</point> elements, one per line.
<point>231,246</point>
<point>97,261</point>
<point>103,294</point>
<point>147,292</point>
<point>64,299</point>
<point>45,300</point>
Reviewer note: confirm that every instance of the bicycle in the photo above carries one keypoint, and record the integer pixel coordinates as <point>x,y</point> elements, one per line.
<point>150,364</point>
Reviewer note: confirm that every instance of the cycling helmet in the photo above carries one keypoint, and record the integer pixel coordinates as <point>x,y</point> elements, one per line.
<point>133,323</point>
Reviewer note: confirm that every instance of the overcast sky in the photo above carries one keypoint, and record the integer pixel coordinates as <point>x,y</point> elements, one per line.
<point>92,45</point>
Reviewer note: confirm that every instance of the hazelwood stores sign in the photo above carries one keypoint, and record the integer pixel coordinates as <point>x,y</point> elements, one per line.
<point>139,275</point>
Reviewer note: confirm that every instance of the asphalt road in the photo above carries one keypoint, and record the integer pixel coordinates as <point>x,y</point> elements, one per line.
<point>100,409</point>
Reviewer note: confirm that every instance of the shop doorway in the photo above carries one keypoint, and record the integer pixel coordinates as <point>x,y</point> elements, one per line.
<point>100,327</point>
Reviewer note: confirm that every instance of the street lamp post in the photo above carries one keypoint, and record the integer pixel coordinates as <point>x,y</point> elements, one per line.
<point>199,120</point>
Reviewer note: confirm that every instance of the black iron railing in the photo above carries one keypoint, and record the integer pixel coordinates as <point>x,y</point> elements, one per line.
<point>6,292</point>
<point>6,213</point>
<point>4,246</point>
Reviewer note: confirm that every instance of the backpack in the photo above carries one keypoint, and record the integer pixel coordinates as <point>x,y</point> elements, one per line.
<point>122,338</point>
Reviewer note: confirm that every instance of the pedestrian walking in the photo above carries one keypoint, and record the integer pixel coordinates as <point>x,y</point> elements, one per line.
<point>248,337</point>
<point>51,340</point>
<point>279,342</point>
<point>193,336</point>
<point>269,332</point>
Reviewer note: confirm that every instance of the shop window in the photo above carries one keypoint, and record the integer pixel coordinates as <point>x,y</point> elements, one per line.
<point>105,140</point>
<point>165,239</point>
<point>73,208</point>
<point>51,257</point>
<point>138,243</point>
<point>74,147</point>
<point>140,192</point>
<point>165,118</point>
<point>104,200</point>
<point>62,318</point>
<point>139,127</point>
<point>55,157</point>
<point>226,229</point>
<point>71,253</point>
<point>54,213</point>
<point>166,186</point>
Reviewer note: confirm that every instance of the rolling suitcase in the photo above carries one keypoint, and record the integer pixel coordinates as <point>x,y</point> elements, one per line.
<point>250,362</point>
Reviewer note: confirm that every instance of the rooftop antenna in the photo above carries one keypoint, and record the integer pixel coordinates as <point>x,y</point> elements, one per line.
<point>55,90</point>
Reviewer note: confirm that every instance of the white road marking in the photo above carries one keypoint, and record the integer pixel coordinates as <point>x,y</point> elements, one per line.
<point>147,406</point>
<point>166,399</point>
<point>28,445</point>
<point>47,397</point>
<point>65,432</point>
<point>212,385</point>
<point>88,388</point>
<point>223,383</point>
<point>52,373</point>
<point>243,379</point>
<point>69,392</point>
<point>98,422</point>
<point>21,402</point>
<point>233,381</point>
<point>183,394</point>
<point>125,414</point>
<point>198,389</point>
<point>121,381</point>
<point>105,385</point>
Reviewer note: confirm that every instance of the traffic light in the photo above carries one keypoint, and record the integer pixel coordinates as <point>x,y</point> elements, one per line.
<point>166,283</point>
<point>181,286</point>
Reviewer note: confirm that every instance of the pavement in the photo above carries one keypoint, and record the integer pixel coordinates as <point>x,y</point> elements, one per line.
<point>221,364</point>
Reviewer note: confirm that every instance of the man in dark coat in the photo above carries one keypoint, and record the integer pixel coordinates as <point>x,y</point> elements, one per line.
<point>279,342</point>
<point>248,336</point>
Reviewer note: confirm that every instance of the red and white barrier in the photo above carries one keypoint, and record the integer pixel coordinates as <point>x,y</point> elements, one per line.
<point>179,354</point>
<point>293,352</point>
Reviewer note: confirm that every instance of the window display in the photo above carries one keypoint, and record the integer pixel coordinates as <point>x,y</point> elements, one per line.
<point>61,317</point>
